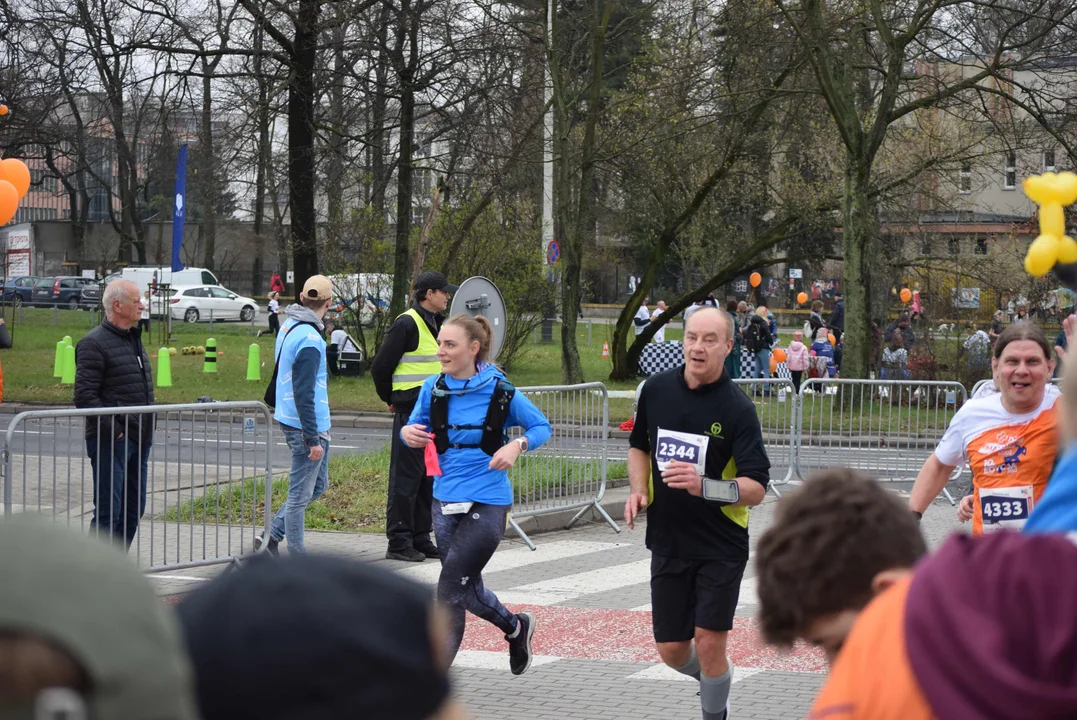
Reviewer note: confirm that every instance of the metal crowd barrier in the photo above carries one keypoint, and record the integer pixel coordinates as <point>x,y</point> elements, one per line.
<point>776,406</point>
<point>885,428</point>
<point>569,471</point>
<point>208,477</point>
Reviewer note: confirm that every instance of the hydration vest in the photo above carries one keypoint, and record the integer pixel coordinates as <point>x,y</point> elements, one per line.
<point>493,427</point>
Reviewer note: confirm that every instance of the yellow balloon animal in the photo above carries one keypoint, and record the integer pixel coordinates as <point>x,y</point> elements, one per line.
<point>1051,192</point>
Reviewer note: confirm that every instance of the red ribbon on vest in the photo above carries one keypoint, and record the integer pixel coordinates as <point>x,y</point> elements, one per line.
<point>430,455</point>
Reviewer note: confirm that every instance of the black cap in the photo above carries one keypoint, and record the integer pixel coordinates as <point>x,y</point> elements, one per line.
<point>431,280</point>
<point>360,637</point>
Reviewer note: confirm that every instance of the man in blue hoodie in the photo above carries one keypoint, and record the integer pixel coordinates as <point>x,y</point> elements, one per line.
<point>302,409</point>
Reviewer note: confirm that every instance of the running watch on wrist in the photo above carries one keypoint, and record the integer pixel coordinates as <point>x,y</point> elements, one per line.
<point>522,442</point>
<point>726,492</point>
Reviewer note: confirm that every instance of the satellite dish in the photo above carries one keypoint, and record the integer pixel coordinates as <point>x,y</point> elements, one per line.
<point>479,296</point>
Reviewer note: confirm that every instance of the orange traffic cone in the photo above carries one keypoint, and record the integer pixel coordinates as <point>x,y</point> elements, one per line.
<point>606,350</point>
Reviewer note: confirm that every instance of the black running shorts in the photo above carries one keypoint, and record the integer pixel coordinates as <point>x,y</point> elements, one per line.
<point>686,594</point>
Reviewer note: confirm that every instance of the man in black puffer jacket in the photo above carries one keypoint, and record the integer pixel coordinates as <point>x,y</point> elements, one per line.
<point>112,369</point>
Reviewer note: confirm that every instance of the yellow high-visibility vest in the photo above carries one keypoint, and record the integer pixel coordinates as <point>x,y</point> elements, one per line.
<point>422,362</point>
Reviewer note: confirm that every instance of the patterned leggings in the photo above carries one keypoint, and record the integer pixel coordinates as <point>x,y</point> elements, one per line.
<point>467,541</point>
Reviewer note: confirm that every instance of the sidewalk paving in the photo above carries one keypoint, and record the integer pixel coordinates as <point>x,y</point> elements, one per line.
<point>595,657</point>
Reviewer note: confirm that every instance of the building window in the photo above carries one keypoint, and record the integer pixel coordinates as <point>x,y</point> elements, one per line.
<point>981,246</point>
<point>1048,160</point>
<point>925,246</point>
<point>965,179</point>
<point>953,246</point>
<point>1010,179</point>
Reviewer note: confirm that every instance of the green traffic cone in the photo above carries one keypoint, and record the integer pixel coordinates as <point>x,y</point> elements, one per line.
<point>209,365</point>
<point>164,368</point>
<point>58,363</point>
<point>254,362</point>
<point>69,366</point>
<point>67,340</point>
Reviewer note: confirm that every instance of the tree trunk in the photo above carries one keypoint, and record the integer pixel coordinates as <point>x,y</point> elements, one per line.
<point>263,157</point>
<point>209,162</point>
<point>301,144</point>
<point>379,176</point>
<point>858,244</point>
<point>401,254</point>
<point>127,178</point>
<point>579,231</point>
<point>334,187</point>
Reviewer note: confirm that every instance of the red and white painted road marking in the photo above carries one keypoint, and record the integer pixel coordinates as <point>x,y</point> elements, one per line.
<point>622,636</point>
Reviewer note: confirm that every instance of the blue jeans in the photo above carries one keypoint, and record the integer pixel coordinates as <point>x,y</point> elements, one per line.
<point>762,364</point>
<point>120,469</point>
<point>307,481</point>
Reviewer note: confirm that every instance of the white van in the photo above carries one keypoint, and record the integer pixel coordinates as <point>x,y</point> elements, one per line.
<point>147,276</point>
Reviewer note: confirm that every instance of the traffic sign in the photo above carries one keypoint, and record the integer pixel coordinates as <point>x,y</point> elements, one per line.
<point>553,252</point>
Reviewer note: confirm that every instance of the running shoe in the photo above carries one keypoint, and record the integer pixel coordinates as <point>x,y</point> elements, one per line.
<point>272,549</point>
<point>520,653</point>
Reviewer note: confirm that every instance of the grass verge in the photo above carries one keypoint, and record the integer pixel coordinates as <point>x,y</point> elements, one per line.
<point>28,367</point>
<point>355,500</point>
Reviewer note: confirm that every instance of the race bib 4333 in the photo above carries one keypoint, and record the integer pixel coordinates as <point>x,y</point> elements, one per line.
<point>1005,507</point>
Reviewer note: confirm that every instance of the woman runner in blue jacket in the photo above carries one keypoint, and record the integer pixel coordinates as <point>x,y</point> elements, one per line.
<point>473,495</point>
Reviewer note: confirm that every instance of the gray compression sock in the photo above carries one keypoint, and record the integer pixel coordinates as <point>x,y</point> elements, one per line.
<point>714,694</point>
<point>690,668</point>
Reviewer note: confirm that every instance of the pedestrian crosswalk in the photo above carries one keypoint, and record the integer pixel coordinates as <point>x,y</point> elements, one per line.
<point>592,604</point>
<point>519,557</point>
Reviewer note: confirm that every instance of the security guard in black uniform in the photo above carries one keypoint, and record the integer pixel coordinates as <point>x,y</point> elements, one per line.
<point>407,357</point>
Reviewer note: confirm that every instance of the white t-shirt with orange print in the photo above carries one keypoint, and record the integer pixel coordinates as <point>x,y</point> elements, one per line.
<point>1010,456</point>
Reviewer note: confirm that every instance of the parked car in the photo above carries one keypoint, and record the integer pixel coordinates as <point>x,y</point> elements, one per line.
<point>200,303</point>
<point>90,295</point>
<point>64,290</point>
<point>18,290</point>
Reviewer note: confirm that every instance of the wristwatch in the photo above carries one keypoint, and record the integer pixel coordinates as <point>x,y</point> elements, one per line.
<point>522,442</point>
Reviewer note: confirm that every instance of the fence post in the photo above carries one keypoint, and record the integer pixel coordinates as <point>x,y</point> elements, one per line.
<point>590,324</point>
<point>56,316</point>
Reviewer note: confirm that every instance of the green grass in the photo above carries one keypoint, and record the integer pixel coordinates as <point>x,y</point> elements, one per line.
<point>28,372</point>
<point>28,366</point>
<point>355,500</point>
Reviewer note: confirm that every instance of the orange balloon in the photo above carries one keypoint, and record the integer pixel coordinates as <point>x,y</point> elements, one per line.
<point>3,109</point>
<point>905,294</point>
<point>802,298</point>
<point>831,338</point>
<point>773,364</point>
<point>9,202</point>
<point>779,354</point>
<point>16,173</point>
<point>755,278</point>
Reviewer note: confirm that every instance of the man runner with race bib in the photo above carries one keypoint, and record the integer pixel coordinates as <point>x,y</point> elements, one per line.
<point>696,461</point>
<point>1008,439</point>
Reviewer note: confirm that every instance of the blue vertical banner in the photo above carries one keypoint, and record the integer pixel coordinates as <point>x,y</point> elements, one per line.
<point>179,212</point>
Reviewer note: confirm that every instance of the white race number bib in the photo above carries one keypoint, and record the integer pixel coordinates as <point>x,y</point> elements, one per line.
<point>685,447</point>
<point>1007,508</point>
